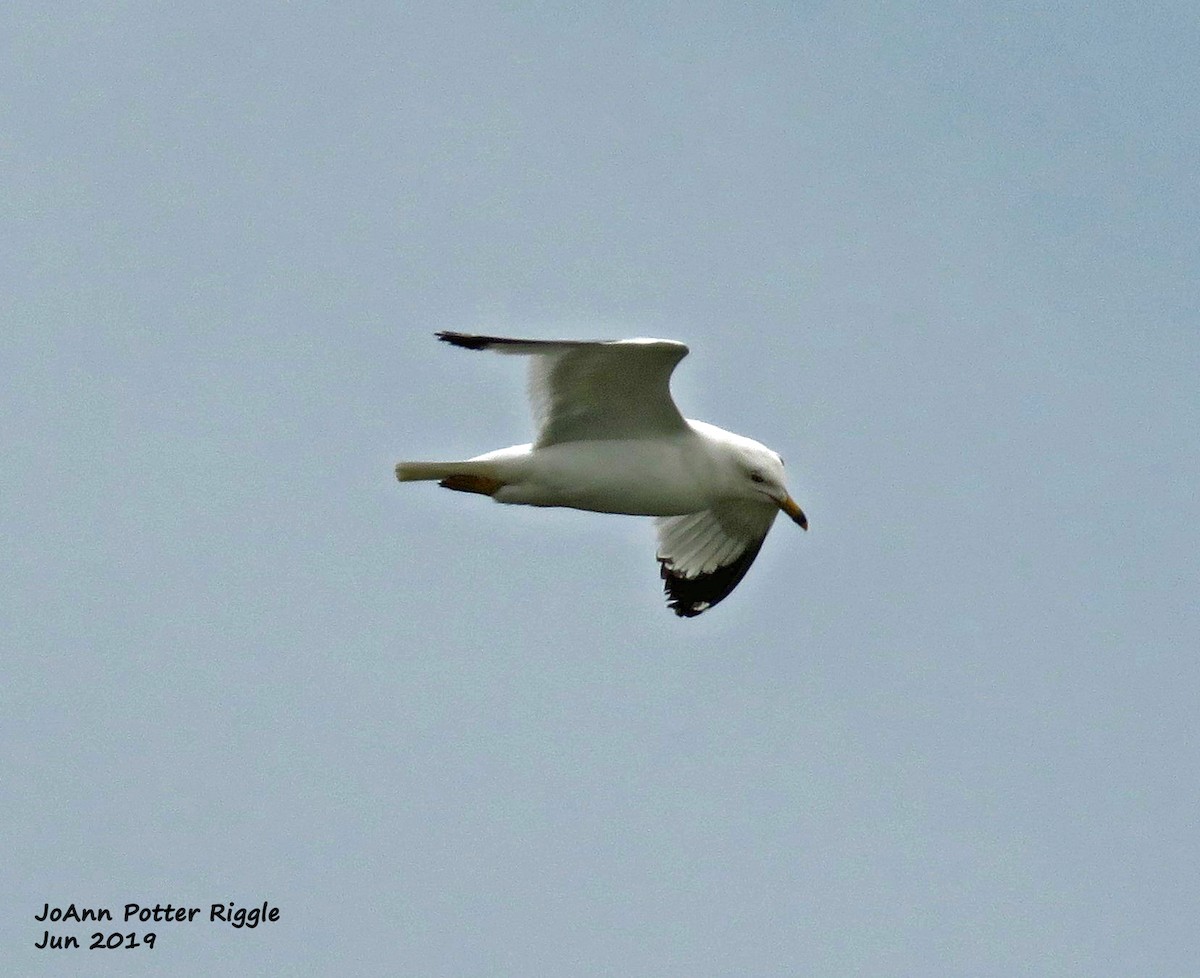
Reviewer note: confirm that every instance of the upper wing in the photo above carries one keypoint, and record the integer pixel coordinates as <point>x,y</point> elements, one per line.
<point>594,390</point>
<point>705,555</point>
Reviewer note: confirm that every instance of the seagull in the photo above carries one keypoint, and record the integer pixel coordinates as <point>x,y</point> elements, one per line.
<point>611,440</point>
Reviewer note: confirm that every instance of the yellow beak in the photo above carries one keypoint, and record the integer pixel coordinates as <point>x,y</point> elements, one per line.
<point>788,505</point>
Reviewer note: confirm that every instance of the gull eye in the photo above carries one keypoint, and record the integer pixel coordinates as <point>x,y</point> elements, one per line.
<point>757,477</point>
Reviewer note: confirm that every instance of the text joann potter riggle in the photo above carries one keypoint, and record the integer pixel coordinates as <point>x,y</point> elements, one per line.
<point>227,913</point>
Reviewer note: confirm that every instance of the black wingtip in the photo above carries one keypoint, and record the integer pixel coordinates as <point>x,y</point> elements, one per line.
<point>682,598</point>
<point>467,341</point>
<point>692,596</point>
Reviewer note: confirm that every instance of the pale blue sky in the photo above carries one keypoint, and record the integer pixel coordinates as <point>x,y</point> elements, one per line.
<point>942,257</point>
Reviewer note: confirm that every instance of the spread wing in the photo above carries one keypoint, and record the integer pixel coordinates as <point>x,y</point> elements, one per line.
<point>705,555</point>
<point>594,390</point>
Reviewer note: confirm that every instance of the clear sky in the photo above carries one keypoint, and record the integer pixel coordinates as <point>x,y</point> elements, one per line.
<point>943,257</point>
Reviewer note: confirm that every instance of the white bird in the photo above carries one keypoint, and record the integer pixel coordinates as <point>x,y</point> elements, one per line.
<point>611,440</point>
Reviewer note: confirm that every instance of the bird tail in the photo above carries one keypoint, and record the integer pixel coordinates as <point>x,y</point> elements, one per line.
<point>428,471</point>
<point>473,476</point>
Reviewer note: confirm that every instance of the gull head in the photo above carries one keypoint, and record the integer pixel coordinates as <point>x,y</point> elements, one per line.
<point>758,475</point>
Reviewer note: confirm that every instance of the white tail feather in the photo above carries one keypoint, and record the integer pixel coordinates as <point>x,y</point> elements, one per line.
<point>421,471</point>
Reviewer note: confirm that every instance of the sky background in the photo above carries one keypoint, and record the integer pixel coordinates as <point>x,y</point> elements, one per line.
<point>943,257</point>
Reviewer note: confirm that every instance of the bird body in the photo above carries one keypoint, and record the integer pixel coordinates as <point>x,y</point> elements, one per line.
<point>611,440</point>
<point>633,477</point>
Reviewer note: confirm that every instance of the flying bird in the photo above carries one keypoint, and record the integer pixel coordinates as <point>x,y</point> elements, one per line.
<point>611,440</point>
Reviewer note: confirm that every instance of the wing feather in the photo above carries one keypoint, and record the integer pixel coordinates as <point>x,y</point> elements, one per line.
<point>704,556</point>
<point>593,390</point>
